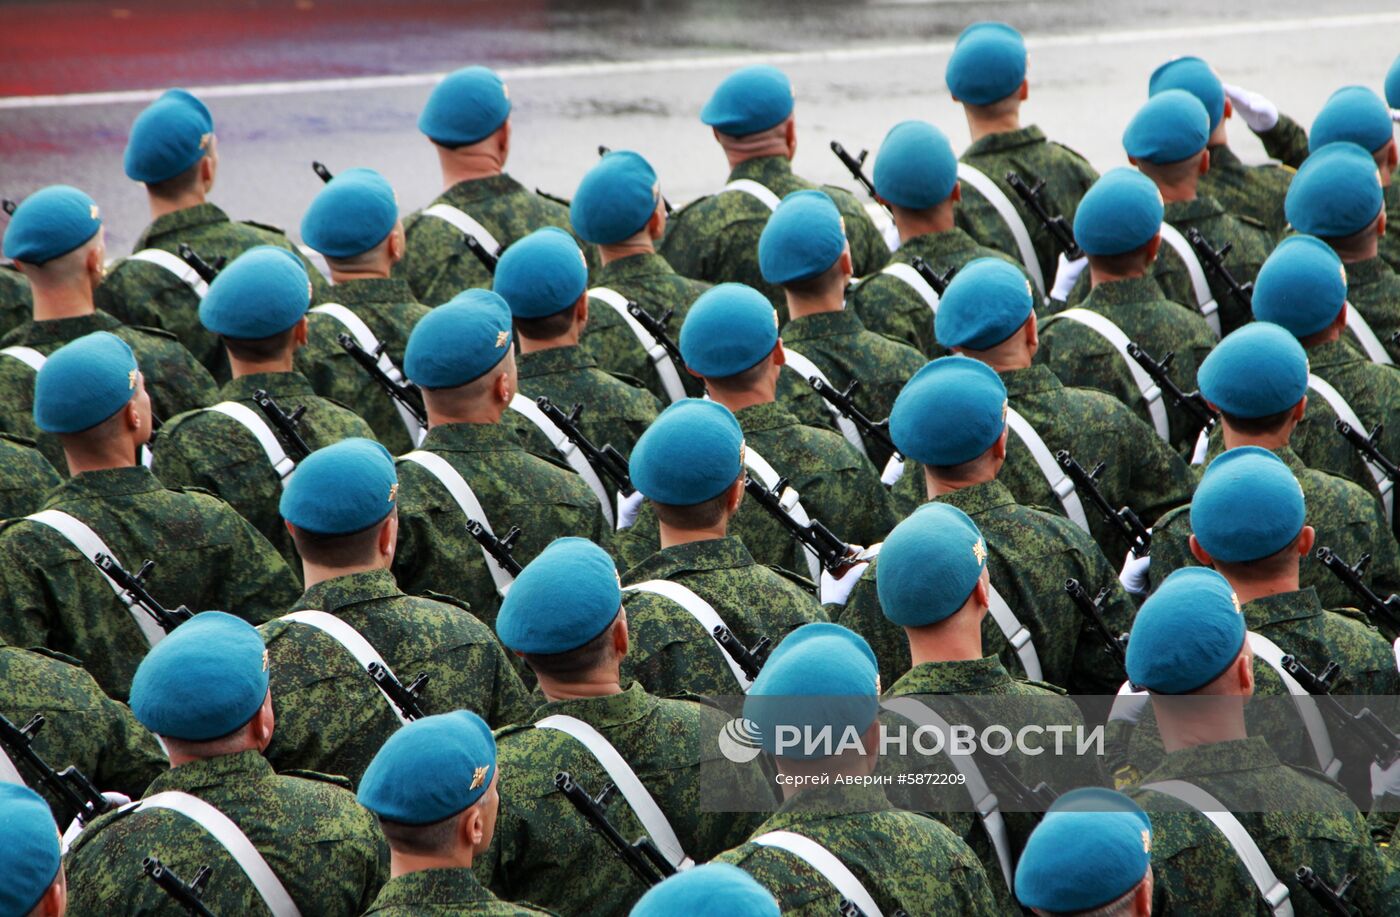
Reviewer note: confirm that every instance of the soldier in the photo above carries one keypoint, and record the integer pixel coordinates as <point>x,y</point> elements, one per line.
<point>91,395</point>
<point>690,466</point>
<point>1355,114</point>
<point>56,240</point>
<point>467,119</point>
<point>711,890</point>
<point>278,843</point>
<point>435,788</point>
<point>341,509</point>
<point>471,468</point>
<point>30,858</point>
<point>1390,247</point>
<point>715,238</point>
<point>258,307</point>
<point>16,300</point>
<point>25,476</point>
<point>564,616</point>
<point>354,222</point>
<point>172,150</point>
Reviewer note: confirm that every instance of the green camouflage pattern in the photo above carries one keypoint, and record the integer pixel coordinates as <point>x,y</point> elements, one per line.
<point>25,476</point>
<point>442,892</point>
<point>207,557</point>
<point>1372,391</point>
<point>1297,622</point>
<point>1373,289</point>
<point>1390,242</point>
<point>327,852</point>
<point>16,301</point>
<point>715,238</point>
<point>330,716</point>
<point>1256,192</point>
<point>1286,141</point>
<point>545,852</point>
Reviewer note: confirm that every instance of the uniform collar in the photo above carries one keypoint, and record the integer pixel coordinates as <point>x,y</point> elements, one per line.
<point>938,247</point>
<point>452,888</point>
<point>726,553</point>
<point>822,325</point>
<point>278,385</point>
<point>1201,208</point>
<point>979,498</point>
<point>469,437</point>
<point>108,482</point>
<point>351,589</point>
<point>1222,158</point>
<point>477,190</point>
<point>1333,354</point>
<point>245,767</point>
<point>1290,458</point>
<point>633,704</point>
<point>1129,290</point>
<point>205,214</point>
<point>822,802</point>
<point>1286,606</point>
<point>1222,758</point>
<point>763,169</point>
<point>61,330</point>
<point>962,676</point>
<point>553,360</point>
<point>759,418</point>
<point>370,290</point>
<point>1370,270</point>
<point>646,264</point>
<point>1006,140</point>
<point>1029,381</point>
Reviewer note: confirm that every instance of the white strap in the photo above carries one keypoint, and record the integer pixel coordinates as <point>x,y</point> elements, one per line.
<point>354,643</point>
<point>8,772</point>
<point>1129,705</point>
<point>753,189</point>
<point>369,344</point>
<point>1375,351</point>
<point>465,224</point>
<point>628,784</point>
<point>1151,394</point>
<point>26,355</point>
<point>220,827</point>
<point>1321,739</point>
<point>1275,893</point>
<point>660,359</point>
<point>90,544</point>
<point>699,609</point>
<point>465,498</point>
<point>1200,286</point>
<point>175,265</point>
<point>826,863</point>
<point>1015,633</point>
<point>809,371</point>
<point>1342,409</point>
<point>1010,216</point>
<point>527,408</point>
<point>884,224</point>
<point>255,424</point>
<point>789,500</point>
<point>1055,476</point>
<point>915,280</point>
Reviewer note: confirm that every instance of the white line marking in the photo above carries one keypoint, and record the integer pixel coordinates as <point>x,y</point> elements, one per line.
<point>717,62</point>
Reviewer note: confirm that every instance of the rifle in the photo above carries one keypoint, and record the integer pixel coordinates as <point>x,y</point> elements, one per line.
<point>285,424</point>
<point>1128,525</point>
<point>134,592</point>
<point>831,552</point>
<point>1382,611</point>
<point>841,400</point>
<point>1058,227</point>
<point>488,260</point>
<point>642,855</point>
<point>405,698</point>
<point>1194,404</point>
<point>1380,741</point>
<point>1214,262</point>
<point>499,548</point>
<point>185,894</point>
<point>1036,798</point>
<point>750,661</point>
<point>606,461</point>
<point>1369,447</point>
<point>938,281</point>
<point>10,206</point>
<point>70,785</point>
<point>856,166</point>
<point>206,271</point>
<point>321,171</point>
<point>402,391</point>
<point>561,201</point>
<point>1093,610</point>
<point>603,151</point>
<point>1329,898</point>
<point>656,327</point>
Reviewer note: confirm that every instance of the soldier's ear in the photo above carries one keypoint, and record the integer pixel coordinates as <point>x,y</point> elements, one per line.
<point>1306,539</point>
<point>1205,161</point>
<point>1200,554</point>
<point>1025,91</point>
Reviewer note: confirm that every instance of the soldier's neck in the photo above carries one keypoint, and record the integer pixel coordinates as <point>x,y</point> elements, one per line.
<point>1179,192</point>
<point>1099,275</point>
<point>280,364</point>
<point>1249,590</point>
<point>1200,720</point>
<point>314,574</point>
<point>957,638</point>
<point>1364,251</point>
<point>611,253</point>
<point>914,223</point>
<point>936,486</point>
<point>164,206</point>
<point>979,126</point>
<point>671,537</point>
<point>102,456</point>
<point>602,683</point>
<point>375,273</point>
<point>569,339</point>
<point>403,864</point>
<point>736,401</point>
<point>470,168</point>
<point>1276,439</point>
<point>801,307</point>
<point>67,301</point>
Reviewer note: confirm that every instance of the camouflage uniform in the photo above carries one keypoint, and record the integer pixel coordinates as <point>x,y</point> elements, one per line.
<point>175,381</point>
<point>429,892</point>
<point>544,851</point>
<point>206,557</point>
<point>1373,289</point>
<point>1389,246</point>
<point>437,263</point>
<point>1250,244</point>
<point>670,653</point>
<point>25,476</point>
<point>387,306</point>
<point>327,851</point>
<point>215,452</point>
<point>330,716</point>
<point>1256,192</point>
<point>1297,622</point>
<point>1286,141</point>
<point>715,238</point>
<point>514,487</point>
<point>16,302</point>
<point>1372,390</point>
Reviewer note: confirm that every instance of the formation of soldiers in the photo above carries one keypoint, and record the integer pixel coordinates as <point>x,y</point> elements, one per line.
<point>492,574</point>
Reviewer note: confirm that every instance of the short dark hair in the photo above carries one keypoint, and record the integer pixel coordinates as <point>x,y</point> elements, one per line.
<point>337,550</point>
<point>696,516</point>
<point>547,327</point>
<point>176,185</point>
<point>573,663</point>
<point>1258,426</point>
<point>816,285</point>
<point>744,379</point>
<point>256,350</point>
<point>424,840</point>
<point>1123,263</point>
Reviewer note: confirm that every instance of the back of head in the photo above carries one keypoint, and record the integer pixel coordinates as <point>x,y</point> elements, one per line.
<point>1352,114</point>
<point>1302,286</point>
<point>30,858</point>
<point>1167,135</point>
<point>50,224</point>
<point>802,243</point>
<point>168,139</point>
<point>615,199</point>
<point>749,101</point>
<point>83,384</point>
<point>351,217</point>
<point>950,413</point>
<point>337,499</point>
<point>1247,509</point>
<point>1336,193</point>
<point>730,329</point>
<point>1118,217</point>
<point>916,168</point>
<point>709,890</point>
<point>929,565</point>
<point>1092,848</point>
<point>1255,376</point>
<point>687,461</point>
<point>988,64</point>
<point>468,106</point>
<point>256,301</point>
<point>458,343</point>
<point>1195,76</point>
<point>541,277</point>
<point>985,303</point>
<point>1187,634</point>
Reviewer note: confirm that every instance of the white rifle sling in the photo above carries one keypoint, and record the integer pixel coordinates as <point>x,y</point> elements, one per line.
<point>915,281</point>
<point>1015,633</point>
<point>466,500</point>
<point>1200,286</point>
<point>810,371</point>
<point>26,355</point>
<point>826,863</point>
<point>1010,216</point>
<point>753,189</point>
<point>464,224</point>
<point>628,784</point>
<point>363,336</point>
<point>90,544</point>
<point>789,500</point>
<point>1375,351</point>
<point>702,611</point>
<point>1274,892</point>
<point>527,408</point>
<point>1316,727</point>
<point>660,359</point>
<point>220,827</point>
<point>354,643</point>
<point>253,422</point>
<point>175,265</point>
<point>1343,410</point>
<point>1151,394</point>
<point>1055,476</point>
<point>8,772</point>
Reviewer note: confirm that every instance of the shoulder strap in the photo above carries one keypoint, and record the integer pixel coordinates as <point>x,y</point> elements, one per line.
<point>1009,215</point>
<point>628,784</point>
<point>1371,344</point>
<point>1055,476</point>
<point>461,492</point>
<point>26,355</point>
<point>670,376</point>
<point>220,827</point>
<point>363,336</point>
<point>1151,394</point>
<point>753,189</point>
<point>527,408</point>
<point>1321,739</point>
<point>789,500</point>
<point>809,371</point>
<point>1274,892</point>
<point>1342,409</point>
<point>1015,633</point>
<point>906,273</point>
<point>90,544</point>
<point>254,423</point>
<point>1205,300</point>
<point>354,643</point>
<point>175,265</point>
<point>8,772</point>
<point>464,224</point>
<point>702,611</point>
<point>826,863</point>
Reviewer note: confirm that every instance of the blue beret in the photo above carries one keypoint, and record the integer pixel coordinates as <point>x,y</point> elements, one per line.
<point>1302,286</point>
<point>541,274</point>
<point>748,101</point>
<point>1248,506</point>
<point>263,292</point>
<point>353,213</point>
<point>822,676</point>
<point>1256,371</point>
<point>430,769</point>
<point>170,136</point>
<point>51,222</point>
<point>729,329</point>
<point>984,304</point>
<point>1186,634</point>
<point>468,106</point>
<point>1352,114</point>
<point>1194,76</point>
<point>988,63</point>
<point>565,597</point>
<point>29,849</point>
<point>346,487</point>
<point>916,167</point>
<point>1092,847</point>
<point>1173,125</point>
<point>708,890</point>
<point>1336,193</point>
<point>803,238</point>
<point>84,382</point>
<point>615,199</point>
<point>691,453</point>
<point>205,679</point>
<point>929,564</point>
<point>461,340</point>
<point>1120,213</point>
<point>1392,84</point>
<point>951,412</point>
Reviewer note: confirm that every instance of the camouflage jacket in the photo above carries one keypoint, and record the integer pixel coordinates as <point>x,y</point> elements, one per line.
<point>1250,243</point>
<point>327,851</point>
<point>1373,289</point>
<point>330,716</point>
<point>547,853</point>
<point>439,892</point>
<point>1390,242</point>
<point>715,238</point>
<point>1256,192</point>
<point>25,476</point>
<point>1297,622</point>
<point>16,302</point>
<point>207,557</point>
<point>1372,391</point>
<point>1286,141</point>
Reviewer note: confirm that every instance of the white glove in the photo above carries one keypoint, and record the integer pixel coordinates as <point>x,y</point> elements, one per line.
<point>1258,112</point>
<point>836,590</point>
<point>1198,455</point>
<point>75,827</point>
<point>1385,782</point>
<point>894,470</point>
<point>1066,276</point>
<point>1395,115</point>
<point>628,508</point>
<point>1129,705</point>
<point>1133,576</point>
